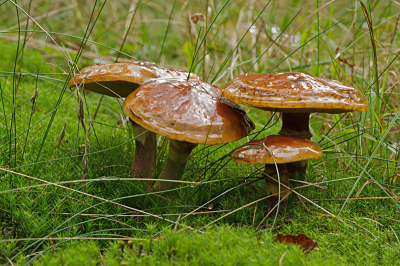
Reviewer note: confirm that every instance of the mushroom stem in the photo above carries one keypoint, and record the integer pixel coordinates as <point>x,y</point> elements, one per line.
<point>273,183</point>
<point>296,124</point>
<point>299,168</point>
<point>179,152</point>
<point>145,152</point>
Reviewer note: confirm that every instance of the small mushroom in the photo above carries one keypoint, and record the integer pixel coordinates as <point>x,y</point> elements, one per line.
<point>284,149</point>
<point>188,113</point>
<point>119,80</point>
<point>296,95</point>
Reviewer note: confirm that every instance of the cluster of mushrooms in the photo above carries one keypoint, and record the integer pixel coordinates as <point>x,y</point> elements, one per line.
<point>179,106</point>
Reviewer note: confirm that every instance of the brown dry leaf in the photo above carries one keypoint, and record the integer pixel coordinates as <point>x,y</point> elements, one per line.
<point>301,239</point>
<point>196,17</point>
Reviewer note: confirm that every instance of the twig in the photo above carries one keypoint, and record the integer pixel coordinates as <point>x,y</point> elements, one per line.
<point>394,232</point>
<point>10,261</point>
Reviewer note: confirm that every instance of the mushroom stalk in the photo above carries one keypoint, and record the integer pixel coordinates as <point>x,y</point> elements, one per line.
<point>273,184</point>
<point>145,152</point>
<point>297,168</point>
<point>179,152</point>
<point>296,124</point>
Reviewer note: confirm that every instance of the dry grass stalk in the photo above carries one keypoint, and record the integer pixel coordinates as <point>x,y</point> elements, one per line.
<point>33,100</point>
<point>62,134</point>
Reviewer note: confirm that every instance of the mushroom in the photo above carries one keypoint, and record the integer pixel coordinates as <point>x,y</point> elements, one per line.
<point>296,95</point>
<point>119,80</point>
<point>285,149</point>
<point>187,113</point>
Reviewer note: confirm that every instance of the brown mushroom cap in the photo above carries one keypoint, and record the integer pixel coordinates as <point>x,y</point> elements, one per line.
<point>294,92</point>
<point>285,149</point>
<point>120,79</point>
<point>190,111</point>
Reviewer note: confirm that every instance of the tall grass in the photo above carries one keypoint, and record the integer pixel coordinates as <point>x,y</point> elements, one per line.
<point>45,202</point>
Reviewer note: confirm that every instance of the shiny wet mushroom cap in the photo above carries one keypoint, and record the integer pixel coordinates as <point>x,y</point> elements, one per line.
<point>294,92</point>
<point>120,79</point>
<point>296,95</point>
<point>286,151</point>
<point>188,113</point>
<point>191,111</point>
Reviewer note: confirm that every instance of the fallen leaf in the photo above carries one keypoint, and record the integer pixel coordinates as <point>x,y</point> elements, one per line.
<point>301,239</point>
